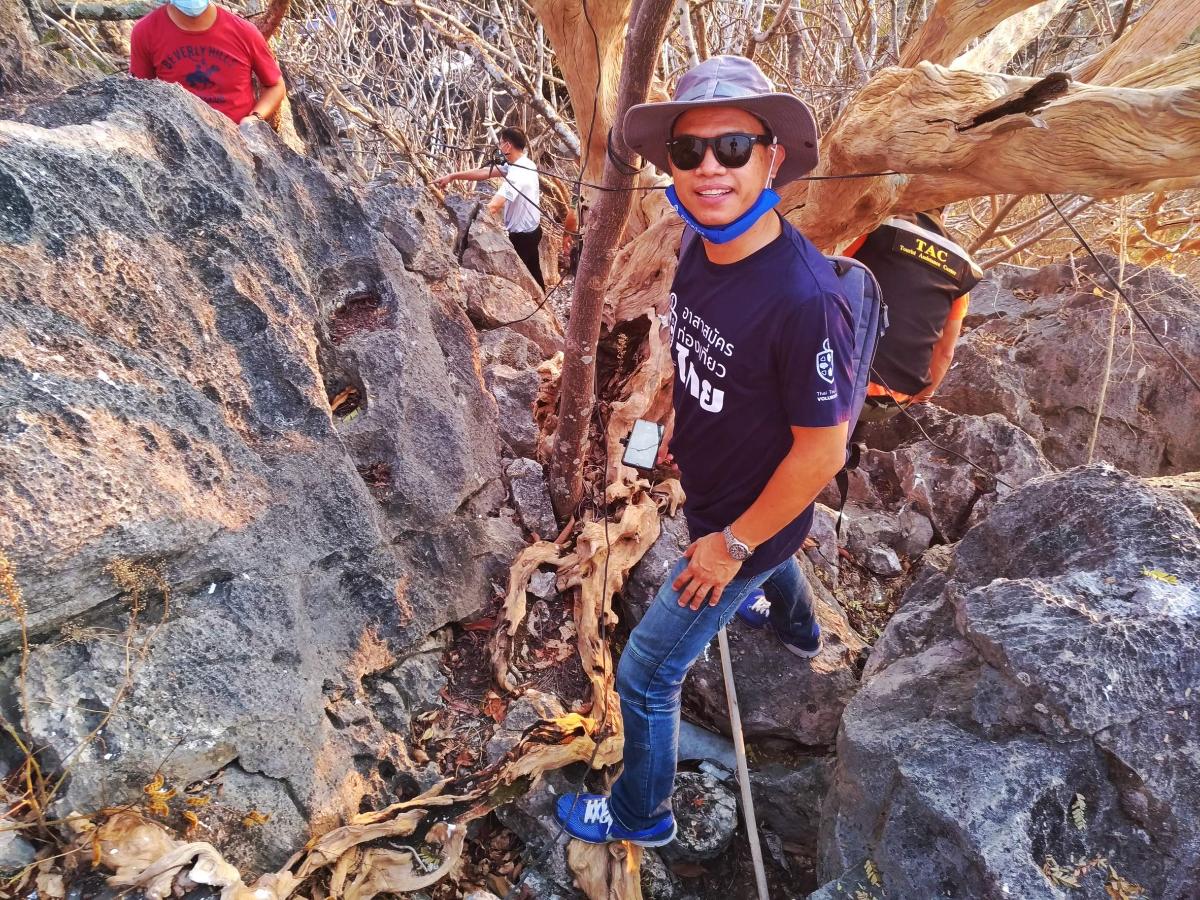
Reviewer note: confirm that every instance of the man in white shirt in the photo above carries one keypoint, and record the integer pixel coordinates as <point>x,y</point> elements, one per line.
<point>517,198</point>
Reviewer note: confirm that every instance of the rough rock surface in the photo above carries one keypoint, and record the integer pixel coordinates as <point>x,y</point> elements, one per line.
<point>765,672</point>
<point>1037,357</point>
<point>1035,699</point>
<point>787,799</point>
<point>183,302</point>
<point>918,463</point>
<point>527,485</point>
<point>706,817</point>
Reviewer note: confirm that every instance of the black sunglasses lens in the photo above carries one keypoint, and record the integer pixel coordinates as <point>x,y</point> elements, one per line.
<point>686,152</point>
<point>733,150</point>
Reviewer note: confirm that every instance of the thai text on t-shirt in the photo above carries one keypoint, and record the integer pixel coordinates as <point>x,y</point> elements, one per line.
<point>759,346</point>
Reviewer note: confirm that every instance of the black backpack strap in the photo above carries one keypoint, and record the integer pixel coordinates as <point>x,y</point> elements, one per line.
<point>842,480</point>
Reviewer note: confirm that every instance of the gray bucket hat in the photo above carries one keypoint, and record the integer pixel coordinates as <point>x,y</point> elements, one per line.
<point>728,81</point>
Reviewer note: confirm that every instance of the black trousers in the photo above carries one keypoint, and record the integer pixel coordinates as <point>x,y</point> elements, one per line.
<point>526,244</point>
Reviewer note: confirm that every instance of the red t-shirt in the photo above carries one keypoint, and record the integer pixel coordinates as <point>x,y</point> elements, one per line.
<point>214,64</point>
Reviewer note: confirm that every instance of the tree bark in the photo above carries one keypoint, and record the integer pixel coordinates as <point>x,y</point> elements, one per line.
<point>953,24</point>
<point>1162,28</point>
<point>578,392</point>
<point>99,12</point>
<point>591,64</point>
<point>1097,141</point>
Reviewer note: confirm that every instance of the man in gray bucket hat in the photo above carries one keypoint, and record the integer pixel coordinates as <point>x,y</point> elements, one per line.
<point>762,339</point>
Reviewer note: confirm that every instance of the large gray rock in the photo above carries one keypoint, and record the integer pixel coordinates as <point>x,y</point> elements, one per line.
<point>1042,366</point>
<point>936,479</point>
<point>527,485</point>
<point>706,817</point>
<point>788,800</point>
<point>515,391</point>
<point>182,301</point>
<point>1034,699</point>
<point>764,671</point>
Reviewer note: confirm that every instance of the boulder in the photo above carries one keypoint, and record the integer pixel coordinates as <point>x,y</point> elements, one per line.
<point>1033,706</point>
<point>15,852</point>
<point>784,699</point>
<point>515,391</point>
<point>493,302</point>
<point>241,429</point>
<point>658,882</point>
<point>488,250</point>
<point>938,481</point>
<point>787,799</point>
<point>1042,367</point>
<point>510,348</point>
<point>420,230</point>
<point>531,495</point>
<point>706,817</point>
<point>531,818</point>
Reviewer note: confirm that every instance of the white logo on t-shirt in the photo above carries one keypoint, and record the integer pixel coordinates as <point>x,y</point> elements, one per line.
<point>825,362</point>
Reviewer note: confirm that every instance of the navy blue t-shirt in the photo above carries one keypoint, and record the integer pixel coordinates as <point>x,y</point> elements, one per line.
<point>759,345</point>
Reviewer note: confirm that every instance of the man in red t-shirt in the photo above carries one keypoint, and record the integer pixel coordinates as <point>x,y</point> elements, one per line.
<point>211,53</point>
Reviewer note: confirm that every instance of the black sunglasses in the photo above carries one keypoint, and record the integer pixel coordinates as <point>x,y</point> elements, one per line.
<point>731,150</point>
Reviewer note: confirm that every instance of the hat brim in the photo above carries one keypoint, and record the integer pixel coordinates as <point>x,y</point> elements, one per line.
<point>648,128</point>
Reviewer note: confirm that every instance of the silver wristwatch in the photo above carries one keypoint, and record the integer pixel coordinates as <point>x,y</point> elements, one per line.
<point>737,550</point>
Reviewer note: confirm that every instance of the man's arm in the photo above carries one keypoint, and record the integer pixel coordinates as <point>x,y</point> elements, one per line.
<point>269,102</point>
<point>266,68</point>
<point>496,205</point>
<point>943,350</point>
<point>482,174</point>
<point>140,63</point>
<point>815,457</point>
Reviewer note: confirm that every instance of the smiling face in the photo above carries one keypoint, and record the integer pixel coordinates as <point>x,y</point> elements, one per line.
<point>714,194</point>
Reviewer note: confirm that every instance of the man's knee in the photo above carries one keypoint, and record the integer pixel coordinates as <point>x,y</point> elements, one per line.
<point>651,683</point>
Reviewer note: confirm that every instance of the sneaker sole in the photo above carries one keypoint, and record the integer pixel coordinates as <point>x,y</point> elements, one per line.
<point>659,842</point>
<point>803,654</point>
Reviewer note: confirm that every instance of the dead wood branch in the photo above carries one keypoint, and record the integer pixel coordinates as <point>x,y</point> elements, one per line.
<point>99,12</point>
<point>578,391</point>
<point>953,24</point>
<point>1099,141</point>
<point>1161,28</point>
<point>1007,39</point>
<point>513,611</point>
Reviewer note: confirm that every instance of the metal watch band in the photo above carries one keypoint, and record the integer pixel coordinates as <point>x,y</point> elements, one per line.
<point>737,549</point>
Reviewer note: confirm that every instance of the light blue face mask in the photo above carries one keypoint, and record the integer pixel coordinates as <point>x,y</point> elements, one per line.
<point>723,234</point>
<point>190,7</point>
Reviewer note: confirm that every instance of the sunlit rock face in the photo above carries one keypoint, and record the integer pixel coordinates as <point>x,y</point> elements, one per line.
<point>215,366</point>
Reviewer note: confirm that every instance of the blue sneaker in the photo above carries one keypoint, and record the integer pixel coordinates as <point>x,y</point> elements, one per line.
<point>755,610</point>
<point>586,817</point>
<point>809,647</point>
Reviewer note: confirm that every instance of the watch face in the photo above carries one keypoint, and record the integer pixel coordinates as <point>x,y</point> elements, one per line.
<point>736,549</point>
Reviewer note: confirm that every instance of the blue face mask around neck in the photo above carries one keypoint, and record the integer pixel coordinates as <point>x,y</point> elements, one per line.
<point>723,234</point>
<point>190,7</point>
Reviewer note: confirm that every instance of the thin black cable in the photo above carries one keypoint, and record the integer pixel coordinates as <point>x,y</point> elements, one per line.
<point>1121,291</point>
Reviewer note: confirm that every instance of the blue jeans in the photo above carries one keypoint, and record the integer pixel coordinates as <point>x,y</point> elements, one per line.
<point>661,649</point>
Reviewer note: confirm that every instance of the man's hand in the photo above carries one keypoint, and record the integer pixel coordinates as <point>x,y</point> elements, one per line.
<point>443,181</point>
<point>664,448</point>
<point>251,119</point>
<point>709,570</point>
